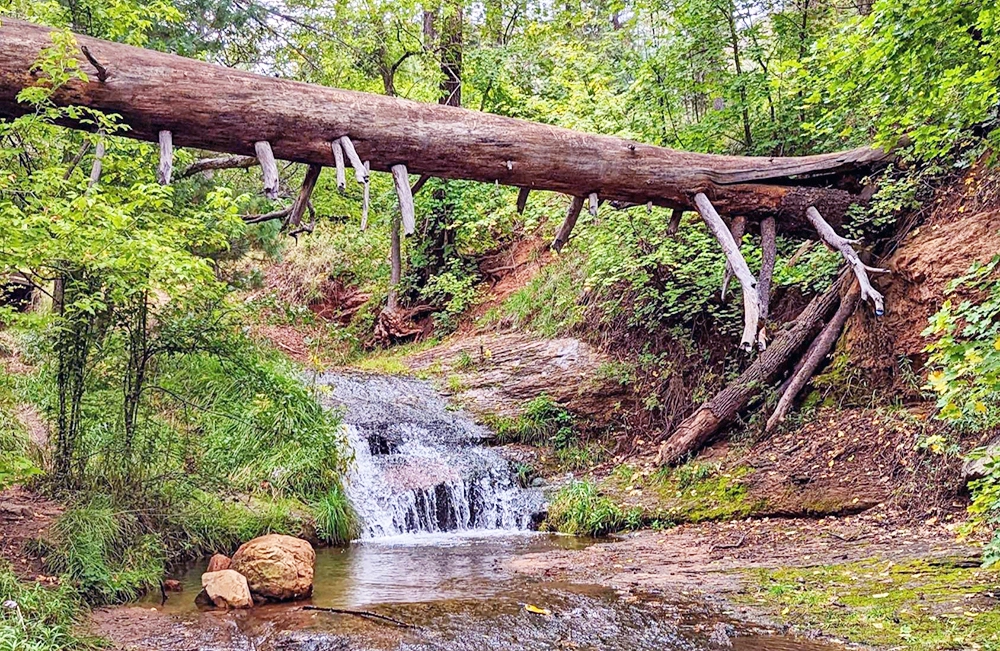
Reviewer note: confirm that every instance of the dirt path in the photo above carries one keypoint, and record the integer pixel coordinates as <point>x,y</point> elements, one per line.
<point>24,515</point>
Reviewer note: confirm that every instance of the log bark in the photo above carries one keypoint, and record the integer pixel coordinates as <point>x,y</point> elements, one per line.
<point>572,214</point>
<point>769,254</point>
<point>817,352</point>
<point>751,300</point>
<point>698,428</point>
<point>226,110</point>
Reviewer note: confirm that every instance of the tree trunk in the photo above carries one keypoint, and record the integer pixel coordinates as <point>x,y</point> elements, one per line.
<point>225,110</point>
<point>700,426</point>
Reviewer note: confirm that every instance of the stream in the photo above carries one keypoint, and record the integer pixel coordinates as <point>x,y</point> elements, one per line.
<point>443,516</point>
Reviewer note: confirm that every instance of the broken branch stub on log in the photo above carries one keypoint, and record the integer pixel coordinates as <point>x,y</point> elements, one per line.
<point>338,161</point>
<point>572,214</point>
<point>360,172</point>
<point>522,200</point>
<point>843,245</point>
<point>166,167</point>
<point>269,168</point>
<point>365,199</point>
<point>305,193</point>
<point>226,110</point>
<point>751,299</point>
<point>698,428</point>
<point>401,179</point>
<point>592,204</point>
<point>737,226</point>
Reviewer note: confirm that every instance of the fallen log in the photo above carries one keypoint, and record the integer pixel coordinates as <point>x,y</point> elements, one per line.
<point>226,110</point>
<point>699,427</point>
<point>818,350</point>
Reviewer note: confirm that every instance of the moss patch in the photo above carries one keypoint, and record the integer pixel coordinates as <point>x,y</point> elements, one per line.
<point>918,604</point>
<point>694,492</point>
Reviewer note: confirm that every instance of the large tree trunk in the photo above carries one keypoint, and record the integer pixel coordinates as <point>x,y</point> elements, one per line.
<point>225,110</point>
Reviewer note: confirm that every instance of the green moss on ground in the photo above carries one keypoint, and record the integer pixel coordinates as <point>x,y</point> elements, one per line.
<point>916,604</point>
<point>694,492</point>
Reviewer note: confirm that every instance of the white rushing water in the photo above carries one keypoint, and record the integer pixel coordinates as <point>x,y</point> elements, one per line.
<point>420,467</point>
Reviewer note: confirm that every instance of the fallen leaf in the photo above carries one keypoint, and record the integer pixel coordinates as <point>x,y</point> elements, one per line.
<point>536,610</point>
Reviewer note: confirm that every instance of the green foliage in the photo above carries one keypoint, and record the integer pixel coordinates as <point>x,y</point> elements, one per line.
<point>336,520</point>
<point>549,304</point>
<point>579,508</point>
<point>924,68</point>
<point>965,356</point>
<point>966,349</point>
<point>542,421</point>
<point>104,552</point>
<point>34,617</point>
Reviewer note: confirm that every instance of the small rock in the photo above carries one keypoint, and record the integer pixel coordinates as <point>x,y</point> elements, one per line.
<point>227,589</point>
<point>538,482</point>
<point>219,562</point>
<point>721,634</point>
<point>277,567</point>
<point>975,468</point>
<point>15,509</point>
<point>172,585</point>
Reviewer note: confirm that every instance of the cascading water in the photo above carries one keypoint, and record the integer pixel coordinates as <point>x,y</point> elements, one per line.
<point>419,465</point>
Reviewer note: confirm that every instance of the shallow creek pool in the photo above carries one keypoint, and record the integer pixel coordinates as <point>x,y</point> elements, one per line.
<point>458,593</point>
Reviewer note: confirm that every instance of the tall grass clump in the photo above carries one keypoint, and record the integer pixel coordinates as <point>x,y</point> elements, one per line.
<point>108,555</point>
<point>336,520</point>
<point>579,508</point>
<point>543,420</point>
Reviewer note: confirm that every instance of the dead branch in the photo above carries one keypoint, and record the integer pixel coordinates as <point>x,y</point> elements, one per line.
<point>305,193</point>
<point>698,428</point>
<point>269,168</point>
<point>522,200</point>
<point>360,171</point>
<point>362,613</point>
<point>817,352</point>
<point>102,72</point>
<point>401,179</point>
<point>675,222</point>
<point>843,245</point>
<point>166,167</point>
<point>219,163</point>
<point>338,161</point>
<point>769,253</point>
<point>737,226</point>
<point>572,214</point>
<point>751,300</point>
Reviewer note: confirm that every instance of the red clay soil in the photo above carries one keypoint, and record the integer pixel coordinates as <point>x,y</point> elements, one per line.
<point>962,227</point>
<point>24,516</point>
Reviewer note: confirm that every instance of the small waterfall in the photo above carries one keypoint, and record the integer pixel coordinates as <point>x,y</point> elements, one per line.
<point>420,465</point>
